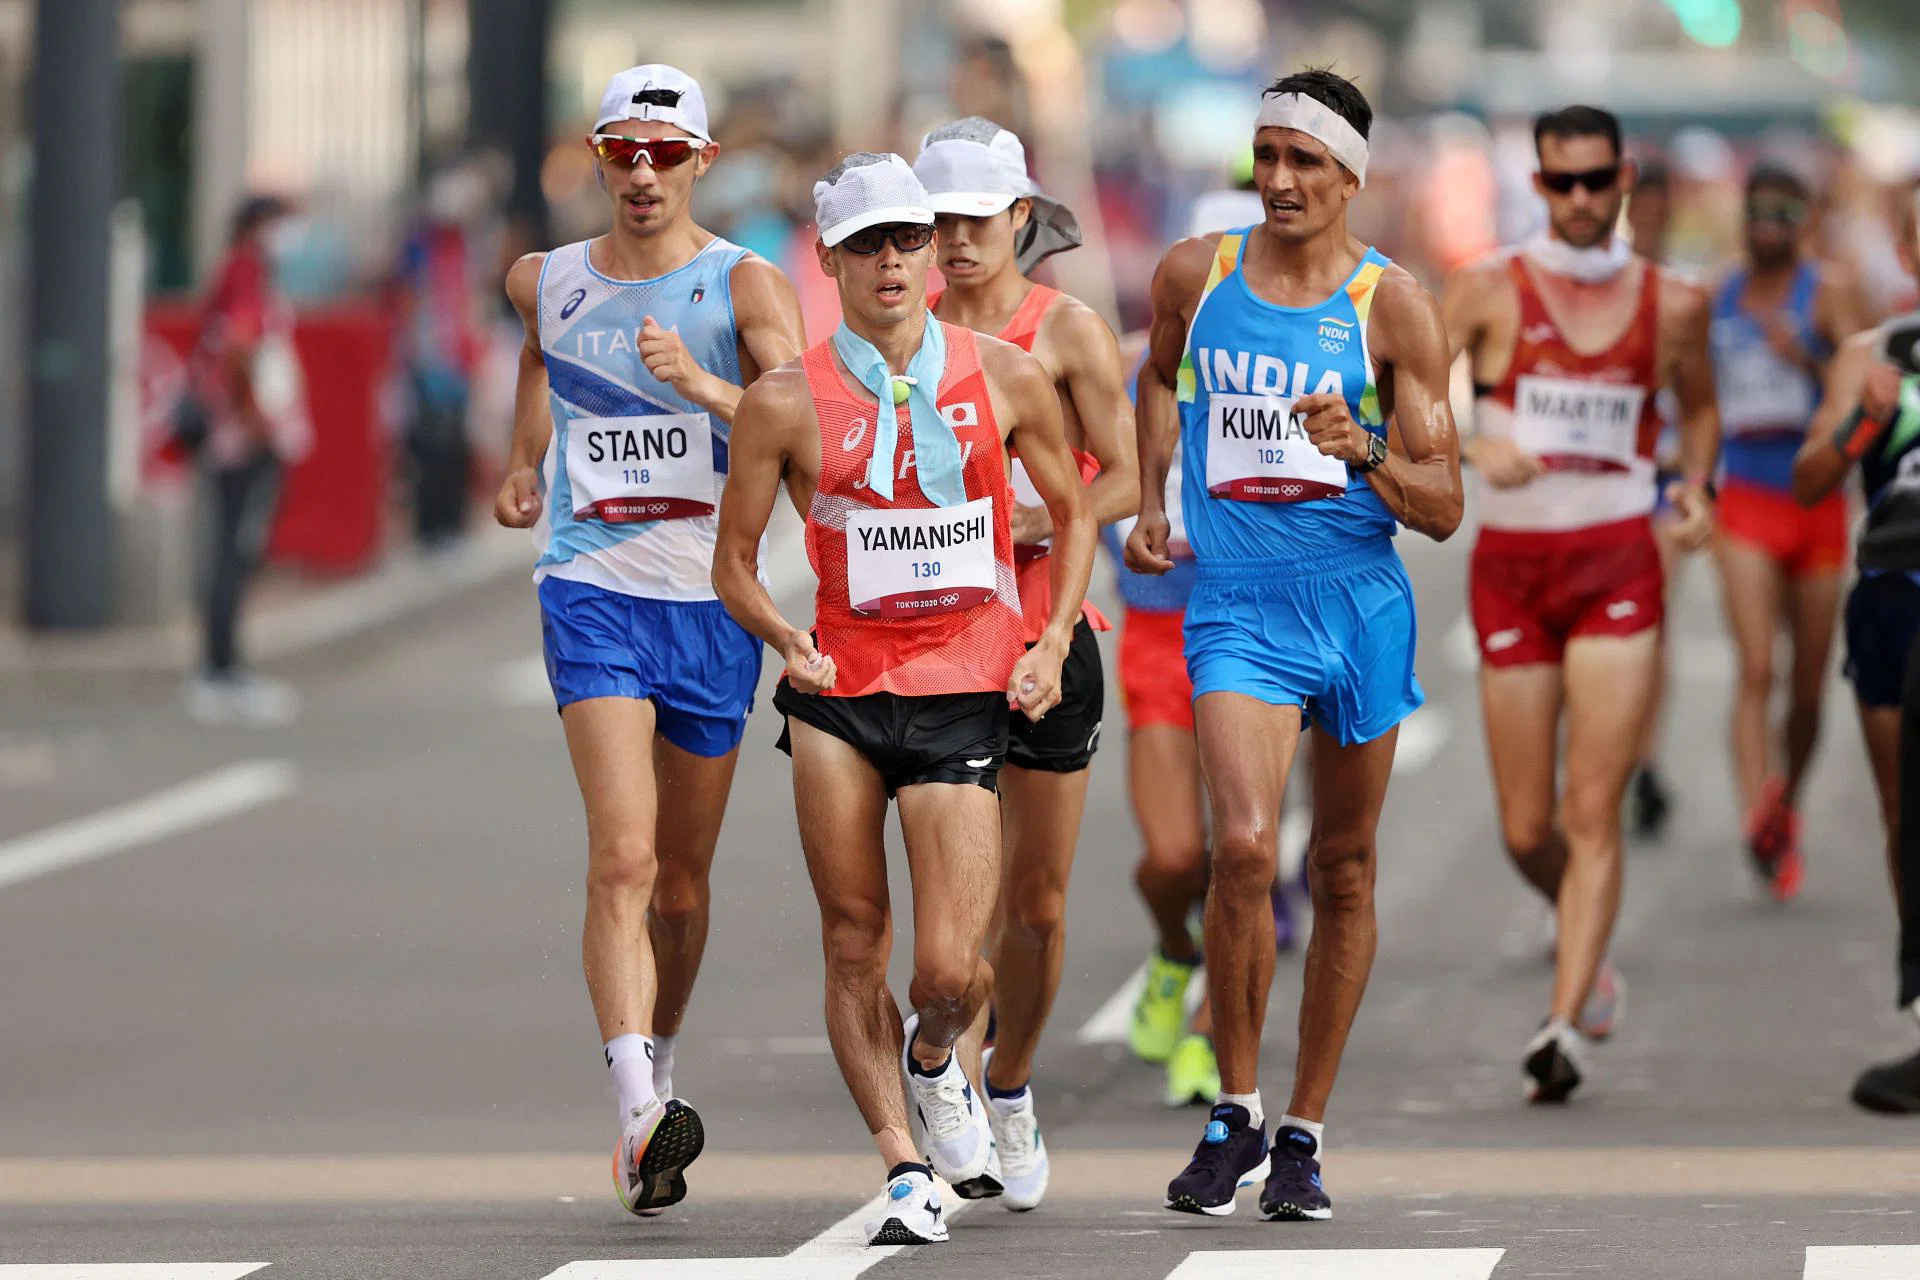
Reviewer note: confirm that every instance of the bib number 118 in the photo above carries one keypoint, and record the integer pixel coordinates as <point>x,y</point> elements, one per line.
<point>642,476</point>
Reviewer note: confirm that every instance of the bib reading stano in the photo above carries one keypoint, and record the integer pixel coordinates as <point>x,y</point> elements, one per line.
<point>1258,451</point>
<point>655,467</point>
<point>921,560</point>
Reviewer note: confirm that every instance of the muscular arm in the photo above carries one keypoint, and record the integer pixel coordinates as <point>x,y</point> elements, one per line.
<point>1820,467</point>
<point>1096,380</point>
<point>773,413</point>
<point>766,311</point>
<point>1464,303</point>
<point>1176,286</point>
<point>1687,319</point>
<point>519,502</point>
<point>1023,391</point>
<point>1839,310</point>
<point>1420,480</point>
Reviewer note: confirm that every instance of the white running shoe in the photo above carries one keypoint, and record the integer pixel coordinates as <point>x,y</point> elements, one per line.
<point>656,1145</point>
<point>948,1124</point>
<point>1022,1151</point>
<point>912,1213</point>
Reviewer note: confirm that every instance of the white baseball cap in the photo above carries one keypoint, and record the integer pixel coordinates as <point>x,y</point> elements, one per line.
<point>655,92</point>
<point>976,168</point>
<point>868,189</point>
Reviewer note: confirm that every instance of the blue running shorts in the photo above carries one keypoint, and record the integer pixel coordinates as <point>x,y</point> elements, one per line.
<point>688,657</point>
<point>1335,637</point>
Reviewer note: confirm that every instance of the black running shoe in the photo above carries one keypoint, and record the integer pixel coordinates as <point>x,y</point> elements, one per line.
<point>1232,1154</point>
<point>1891,1088</point>
<point>1652,804</point>
<point>1293,1192</point>
<point>1550,1071</point>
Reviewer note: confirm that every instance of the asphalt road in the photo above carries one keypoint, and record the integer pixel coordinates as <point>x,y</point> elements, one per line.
<point>310,998</point>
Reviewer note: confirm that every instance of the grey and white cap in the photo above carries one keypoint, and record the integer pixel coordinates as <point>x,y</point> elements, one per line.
<point>868,189</point>
<point>976,168</point>
<point>655,92</point>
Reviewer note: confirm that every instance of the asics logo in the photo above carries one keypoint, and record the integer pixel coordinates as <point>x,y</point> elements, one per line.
<point>855,434</point>
<point>1093,739</point>
<point>1539,334</point>
<point>1622,609</point>
<point>981,763</point>
<point>900,1190</point>
<point>1216,1131</point>
<point>1502,640</point>
<point>573,303</point>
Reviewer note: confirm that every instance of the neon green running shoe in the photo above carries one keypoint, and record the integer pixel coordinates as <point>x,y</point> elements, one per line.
<point>1193,1073</point>
<point>1161,1012</point>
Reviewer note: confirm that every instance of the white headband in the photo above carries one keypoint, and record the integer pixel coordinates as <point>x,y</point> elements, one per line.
<point>1321,123</point>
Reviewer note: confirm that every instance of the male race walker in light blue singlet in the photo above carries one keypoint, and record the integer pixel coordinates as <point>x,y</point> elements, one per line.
<point>1303,378</point>
<point>638,346</point>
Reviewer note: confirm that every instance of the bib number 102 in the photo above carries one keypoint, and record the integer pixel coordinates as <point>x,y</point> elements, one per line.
<point>643,475</point>
<point>926,569</point>
<point>1273,457</point>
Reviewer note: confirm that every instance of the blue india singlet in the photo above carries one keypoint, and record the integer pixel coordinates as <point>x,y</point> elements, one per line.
<point>1766,402</point>
<point>1255,487</point>
<point>634,472</point>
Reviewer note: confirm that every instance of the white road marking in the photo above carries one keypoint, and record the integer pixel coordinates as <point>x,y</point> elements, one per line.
<point>1862,1262</point>
<point>1340,1264</point>
<point>841,1252</point>
<point>131,1270</point>
<point>220,794</point>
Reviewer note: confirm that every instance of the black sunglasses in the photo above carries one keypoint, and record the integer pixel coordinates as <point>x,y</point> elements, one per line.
<point>1783,210</point>
<point>1594,180</point>
<point>907,237</point>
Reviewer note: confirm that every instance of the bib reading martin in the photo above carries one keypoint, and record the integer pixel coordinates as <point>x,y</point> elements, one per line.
<point>1258,451</point>
<point>1576,424</point>
<point>921,560</point>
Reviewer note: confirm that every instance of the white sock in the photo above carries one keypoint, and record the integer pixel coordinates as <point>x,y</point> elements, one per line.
<point>663,1065</point>
<point>630,1058</point>
<point>1318,1128</point>
<point>1251,1101</point>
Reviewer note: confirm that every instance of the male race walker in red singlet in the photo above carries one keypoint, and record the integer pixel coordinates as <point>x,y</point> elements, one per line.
<point>1571,337</point>
<point>891,439</point>
<point>995,227</point>
<point>638,344</point>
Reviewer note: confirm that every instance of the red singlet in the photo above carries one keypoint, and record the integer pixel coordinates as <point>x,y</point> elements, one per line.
<point>921,642</point>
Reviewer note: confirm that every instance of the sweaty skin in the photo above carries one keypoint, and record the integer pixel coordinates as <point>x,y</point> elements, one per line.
<point>1301,255</point>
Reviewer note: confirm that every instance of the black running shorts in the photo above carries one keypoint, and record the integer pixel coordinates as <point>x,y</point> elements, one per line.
<point>947,737</point>
<point>1064,740</point>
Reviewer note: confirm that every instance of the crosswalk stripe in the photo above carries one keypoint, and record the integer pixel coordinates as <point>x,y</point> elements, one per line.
<point>1862,1262</point>
<point>1339,1264</point>
<point>129,1270</point>
<point>841,1252</point>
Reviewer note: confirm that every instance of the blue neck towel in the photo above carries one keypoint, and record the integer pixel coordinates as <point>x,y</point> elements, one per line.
<point>936,449</point>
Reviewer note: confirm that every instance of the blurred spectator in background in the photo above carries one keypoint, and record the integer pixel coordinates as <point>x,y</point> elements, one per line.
<point>251,396</point>
<point>437,318</point>
<point>1650,210</point>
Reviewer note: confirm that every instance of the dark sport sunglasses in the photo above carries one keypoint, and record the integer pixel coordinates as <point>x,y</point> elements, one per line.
<point>907,237</point>
<point>1785,210</point>
<point>1594,180</point>
<point>659,153</point>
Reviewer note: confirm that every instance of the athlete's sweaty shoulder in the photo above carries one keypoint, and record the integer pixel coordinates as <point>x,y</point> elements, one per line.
<point>776,412</point>
<point>1070,334</point>
<point>1686,308</point>
<point>1479,286</point>
<point>1406,316</point>
<point>1183,272</point>
<point>1016,382</point>
<point>759,287</point>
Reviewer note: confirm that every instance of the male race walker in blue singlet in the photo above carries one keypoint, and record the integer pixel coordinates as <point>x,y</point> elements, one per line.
<point>1303,378</point>
<point>638,346</point>
<point>1776,320</point>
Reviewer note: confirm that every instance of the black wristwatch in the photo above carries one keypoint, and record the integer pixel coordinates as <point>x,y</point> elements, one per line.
<point>1376,455</point>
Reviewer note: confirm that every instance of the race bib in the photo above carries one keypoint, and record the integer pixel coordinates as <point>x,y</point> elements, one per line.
<point>1258,451</point>
<point>656,467</point>
<point>924,560</point>
<point>1572,424</point>
<point>1761,394</point>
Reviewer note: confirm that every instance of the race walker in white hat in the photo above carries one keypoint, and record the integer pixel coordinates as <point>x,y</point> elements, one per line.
<point>638,346</point>
<point>995,226</point>
<point>891,438</point>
